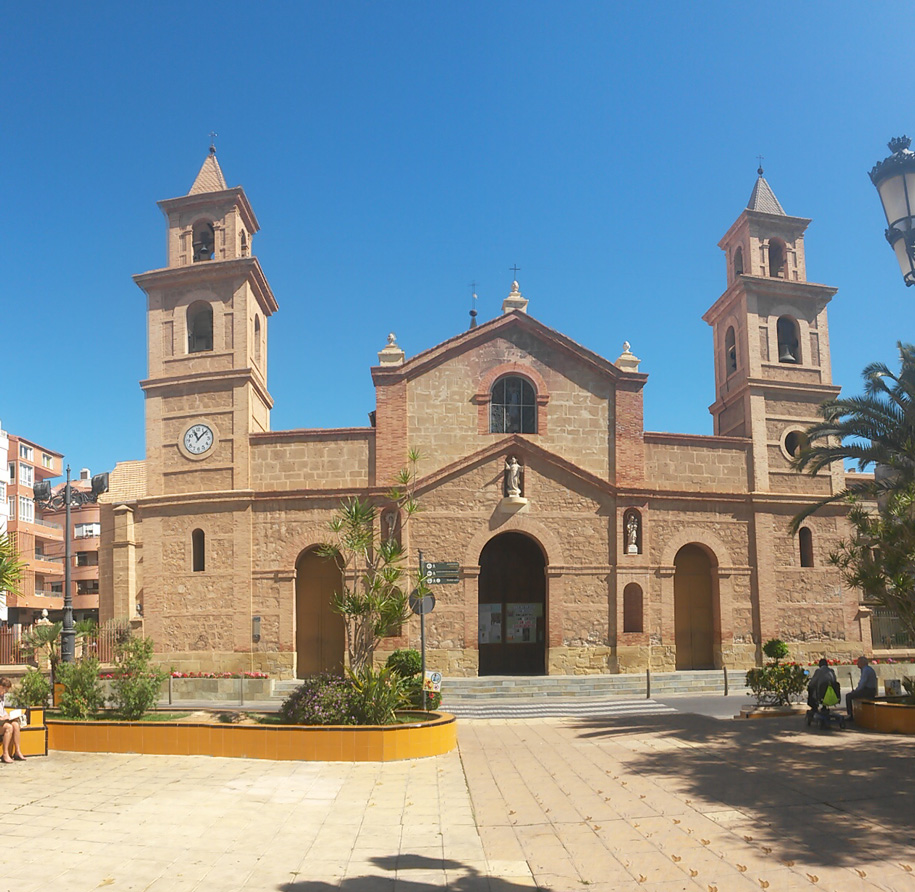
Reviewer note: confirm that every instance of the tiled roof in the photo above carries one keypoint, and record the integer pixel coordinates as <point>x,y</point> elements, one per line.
<point>126,483</point>
<point>763,199</point>
<point>210,178</point>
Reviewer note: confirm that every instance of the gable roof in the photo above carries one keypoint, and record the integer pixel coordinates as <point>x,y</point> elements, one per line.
<point>502,325</point>
<point>518,444</point>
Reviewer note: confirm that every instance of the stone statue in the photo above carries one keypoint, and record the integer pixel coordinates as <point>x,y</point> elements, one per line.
<point>513,478</point>
<point>632,534</point>
<point>389,520</point>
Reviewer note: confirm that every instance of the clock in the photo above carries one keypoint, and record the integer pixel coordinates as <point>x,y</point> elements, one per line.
<point>198,439</point>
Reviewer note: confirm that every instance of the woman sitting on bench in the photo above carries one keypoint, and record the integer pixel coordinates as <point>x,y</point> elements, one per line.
<point>10,727</point>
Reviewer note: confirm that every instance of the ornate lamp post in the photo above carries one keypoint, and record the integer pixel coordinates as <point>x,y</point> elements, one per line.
<point>68,498</point>
<point>894,178</point>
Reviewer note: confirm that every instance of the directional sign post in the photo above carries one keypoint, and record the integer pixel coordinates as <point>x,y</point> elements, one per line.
<point>430,573</point>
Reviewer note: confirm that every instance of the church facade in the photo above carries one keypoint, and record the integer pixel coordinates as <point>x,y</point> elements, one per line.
<point>585,544</point>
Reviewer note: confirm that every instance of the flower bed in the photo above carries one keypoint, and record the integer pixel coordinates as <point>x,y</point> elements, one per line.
<point>307,743</point>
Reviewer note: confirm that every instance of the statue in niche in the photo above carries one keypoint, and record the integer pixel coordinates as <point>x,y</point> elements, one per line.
<point>632,533</point>
<point>513,478</point>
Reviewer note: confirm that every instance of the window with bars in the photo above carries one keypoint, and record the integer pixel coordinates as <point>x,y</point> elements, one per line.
<point>513,409</point>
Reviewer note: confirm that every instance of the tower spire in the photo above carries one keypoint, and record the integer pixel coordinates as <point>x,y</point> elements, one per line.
<point>209,178</point>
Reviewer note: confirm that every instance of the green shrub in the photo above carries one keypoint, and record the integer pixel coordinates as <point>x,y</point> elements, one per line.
<point>775,649</point>
<point>33,690</point>
<point>405,663</point>
<point>320,700</point>
<point>136,683</point>
<point>82,696</point>
<point>376,695</point>
<point>777,685</point>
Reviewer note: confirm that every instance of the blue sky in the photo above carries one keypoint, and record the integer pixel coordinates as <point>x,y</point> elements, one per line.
<point>395,152</point>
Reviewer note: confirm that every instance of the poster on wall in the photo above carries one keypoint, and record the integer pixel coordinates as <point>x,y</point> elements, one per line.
<point>522,622</point>
<point>490,623</point>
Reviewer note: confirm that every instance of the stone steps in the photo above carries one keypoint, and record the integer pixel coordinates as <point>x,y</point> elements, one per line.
<point>547,687</point>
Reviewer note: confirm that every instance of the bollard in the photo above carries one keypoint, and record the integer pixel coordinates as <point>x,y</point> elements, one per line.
<point>647,683</point>
<point>169,689</point>
<point>725,681</point>
<point>241,689</point>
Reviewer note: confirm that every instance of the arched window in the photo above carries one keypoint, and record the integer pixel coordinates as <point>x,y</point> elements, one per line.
<point>199,327</point>
<point>738,262</point>
<point>244,243</point>
<point>198,547</point>
<point>805,543</point>
<point>632,608</point>
<point>777,254</point>
<point>204,241</point>
<point>788,346</point>
<point>730,351</point>
<point>513,409</point>
<point>257,338</point>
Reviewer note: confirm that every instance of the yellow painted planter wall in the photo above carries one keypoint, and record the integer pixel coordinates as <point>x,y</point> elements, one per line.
<point>885,716</point>
<point>308,743</point>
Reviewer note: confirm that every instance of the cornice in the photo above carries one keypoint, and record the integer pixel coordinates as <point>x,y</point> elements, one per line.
<point>198,274</point>
<point>151,385</point>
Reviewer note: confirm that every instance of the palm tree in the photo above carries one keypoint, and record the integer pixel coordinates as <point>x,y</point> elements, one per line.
<point>875,430</point>
<point>11,565</point>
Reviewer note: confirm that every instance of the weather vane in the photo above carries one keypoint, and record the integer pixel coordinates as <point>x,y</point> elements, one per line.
<point>760,168</point>
<point>213,135</point>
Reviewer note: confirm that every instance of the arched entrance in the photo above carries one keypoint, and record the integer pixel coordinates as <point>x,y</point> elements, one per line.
<point>320,639</point>
<point>694,622</point>
<point>512,615</point>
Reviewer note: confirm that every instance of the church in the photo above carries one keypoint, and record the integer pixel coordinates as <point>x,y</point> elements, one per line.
<point>584,543</point>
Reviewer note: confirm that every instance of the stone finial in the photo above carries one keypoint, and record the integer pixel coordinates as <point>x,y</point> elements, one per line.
<point>391,354</point>
<point>627,361</point>
<point>515,300</point>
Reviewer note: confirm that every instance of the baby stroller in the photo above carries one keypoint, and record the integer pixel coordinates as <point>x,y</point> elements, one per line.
<point>823,694</point>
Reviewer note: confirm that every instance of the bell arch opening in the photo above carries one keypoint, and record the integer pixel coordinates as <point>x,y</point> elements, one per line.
<point>512,606</point>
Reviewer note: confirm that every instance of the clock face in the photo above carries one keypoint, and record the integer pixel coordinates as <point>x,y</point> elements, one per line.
<point>198,439</point>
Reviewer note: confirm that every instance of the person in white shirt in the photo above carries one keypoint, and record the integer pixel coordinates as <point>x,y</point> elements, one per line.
<point>867,686</point>
<point>9,726</point>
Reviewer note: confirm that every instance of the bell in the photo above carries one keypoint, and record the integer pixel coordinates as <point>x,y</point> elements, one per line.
<point>785,354</point>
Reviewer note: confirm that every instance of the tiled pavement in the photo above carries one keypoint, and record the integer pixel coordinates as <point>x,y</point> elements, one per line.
<point>687,802</point>
<point>656,802</point>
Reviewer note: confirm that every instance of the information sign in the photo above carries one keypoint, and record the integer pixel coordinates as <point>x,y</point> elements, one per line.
<point>441,572</point>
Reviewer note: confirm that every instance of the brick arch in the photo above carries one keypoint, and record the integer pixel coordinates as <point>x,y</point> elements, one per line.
<point>483,396</point>
<point>711,543</point>
<point>553,551</point>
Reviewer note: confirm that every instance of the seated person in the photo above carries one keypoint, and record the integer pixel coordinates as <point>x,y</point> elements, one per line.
<point>867,686</point>
<point>823,678</point>
<point>9,727</point>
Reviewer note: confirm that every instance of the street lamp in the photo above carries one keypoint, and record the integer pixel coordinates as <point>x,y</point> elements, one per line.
<point>894,178</point>
<point>68,497</point>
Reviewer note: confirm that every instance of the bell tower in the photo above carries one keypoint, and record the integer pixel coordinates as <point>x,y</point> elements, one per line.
<point>207,313</point>
<point>771,340</point>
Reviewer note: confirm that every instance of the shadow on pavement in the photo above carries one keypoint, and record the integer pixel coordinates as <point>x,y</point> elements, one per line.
<point>829,797</point>
<point>462,877</point>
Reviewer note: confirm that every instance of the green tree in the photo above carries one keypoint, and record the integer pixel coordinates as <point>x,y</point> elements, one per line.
<point>136,683</point>
<point>373,599</point>
<point>876,431</point>
<point>11,564</point>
